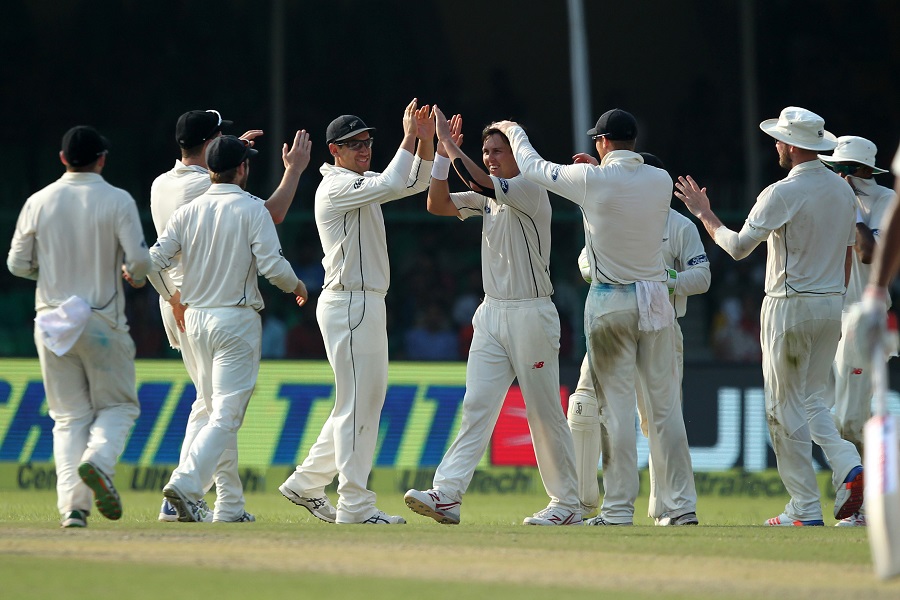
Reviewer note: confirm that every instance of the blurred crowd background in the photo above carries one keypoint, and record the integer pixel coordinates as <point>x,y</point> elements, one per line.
<point>694,72</point>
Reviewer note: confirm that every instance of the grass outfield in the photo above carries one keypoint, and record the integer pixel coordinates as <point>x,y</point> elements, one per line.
<point>287,553</point>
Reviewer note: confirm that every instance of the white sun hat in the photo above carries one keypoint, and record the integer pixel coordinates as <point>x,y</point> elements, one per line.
<point>801,128</point>
<point>854,149</point>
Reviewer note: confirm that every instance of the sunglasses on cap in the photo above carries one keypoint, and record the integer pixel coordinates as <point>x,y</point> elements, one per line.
<point>357,145</point>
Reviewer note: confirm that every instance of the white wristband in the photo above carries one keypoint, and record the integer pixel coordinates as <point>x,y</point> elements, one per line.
<point>441,167</point>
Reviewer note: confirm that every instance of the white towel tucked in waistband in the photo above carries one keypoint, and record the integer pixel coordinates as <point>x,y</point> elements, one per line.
<point>655,312</point>
<point>61,327</point>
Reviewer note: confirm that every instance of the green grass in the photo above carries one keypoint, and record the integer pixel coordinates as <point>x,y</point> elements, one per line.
<point>286,553</point>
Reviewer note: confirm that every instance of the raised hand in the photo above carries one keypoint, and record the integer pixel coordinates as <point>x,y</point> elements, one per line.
<point>425,123</point>
<point>251,135</point>
<point>410,123</point>
<point>693,196</point>
<point>298,155</point>
<point>450,131</point>
<point>503,126</point>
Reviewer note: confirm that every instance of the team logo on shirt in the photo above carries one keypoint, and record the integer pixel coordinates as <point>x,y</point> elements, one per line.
<point>504,185</point>
<point>358,183</point>
<point>554,173</point>
<point>487,209</point>
<point>699,259</point>
<point>876,231</point>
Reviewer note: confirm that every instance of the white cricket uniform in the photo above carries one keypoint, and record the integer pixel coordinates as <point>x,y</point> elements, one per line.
<point>850,386</point>
<point>808,221</point>
<point>516,335</point>
<point>72,237</point>
<point>352,318</point>
<point>682,251</point>
<point>169,192</point>
<point>225,237</point>
<point>629,321</point>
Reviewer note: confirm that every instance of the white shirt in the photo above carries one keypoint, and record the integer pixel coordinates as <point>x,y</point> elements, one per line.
<point>624,203</point>
<point>72,237</point>
<point>225,238</point>
<point>515,243</point>
<point>683,251</point>
<point>350,223</point>
<point>872,202</point>
<point>807,219</point>
<point>172,190</point>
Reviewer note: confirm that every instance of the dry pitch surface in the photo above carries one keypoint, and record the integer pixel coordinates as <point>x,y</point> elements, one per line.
<point>286,552</point>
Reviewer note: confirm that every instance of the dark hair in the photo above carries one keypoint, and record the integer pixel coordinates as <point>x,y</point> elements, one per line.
<point>192,152</point>
<point>228,176</point>
<point>489,131</point>
<point>622,144</point>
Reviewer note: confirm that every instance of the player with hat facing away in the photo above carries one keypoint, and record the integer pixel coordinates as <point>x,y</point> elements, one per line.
<point>188,179</point>
<point>71,238</point>
<point>351,310</point>
<point>628,316</point>
<point>849,389</point>
<point>807,220</point>
<point>225,237</point>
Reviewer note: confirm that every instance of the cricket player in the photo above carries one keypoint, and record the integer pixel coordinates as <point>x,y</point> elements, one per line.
<point>225,237</point>
<point>71,237</point>
<point>628,316</point>
<point>351,311</point>
<point>188,179</point>
<point>807,220</point>
<point>849,390</point>
<point>689,274</point>
<point>516,327</point>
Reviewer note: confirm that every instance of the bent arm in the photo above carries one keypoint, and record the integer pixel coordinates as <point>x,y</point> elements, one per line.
<point>737,244</point>
<point>568,181</point>
<point>22,258</point>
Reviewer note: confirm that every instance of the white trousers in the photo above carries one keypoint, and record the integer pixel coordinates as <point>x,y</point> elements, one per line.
<point>513,339</point>
<point>229,491</point>
<point>617,350</point>
<point>354,329</point>
<point>799,338</point>
<point>660,500</point>
<point>849,393</point>
<point>225,344</point>
<point>93,403</point>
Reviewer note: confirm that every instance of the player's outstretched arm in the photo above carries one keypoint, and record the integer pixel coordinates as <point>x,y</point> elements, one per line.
<point>439,200</point>
<point>296,159</point>
<point>425,133</point>
<point>471,174</point>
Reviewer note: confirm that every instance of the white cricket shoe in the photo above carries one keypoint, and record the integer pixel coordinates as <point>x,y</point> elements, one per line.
<point>685,519</point>
<point>188,511</point>
<point>320,507</point>
<point>435,504</point>
<point>854,520</point>
<point>382,518</point>
<point>783,520</point>
<point>554,515</point>
<point>244,518</point>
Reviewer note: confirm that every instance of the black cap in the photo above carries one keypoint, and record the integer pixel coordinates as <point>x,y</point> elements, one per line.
<point>83,145</point>
<point>227,152</point>
<point>196,126</point>
<point>652,160</point>
<point>615,124</point>
<point>345,126</point>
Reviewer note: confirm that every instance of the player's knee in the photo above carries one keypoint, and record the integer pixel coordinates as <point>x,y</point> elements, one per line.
<point>584,410</point>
